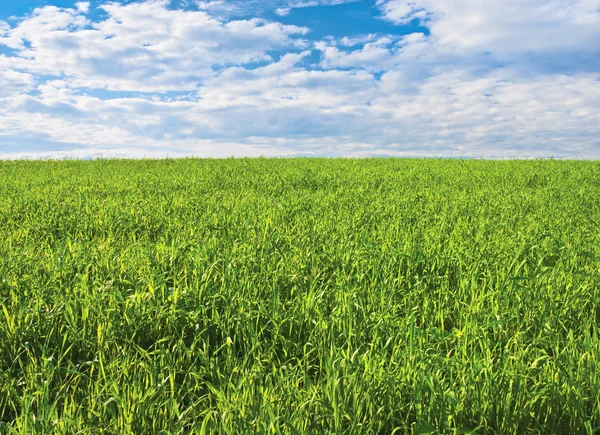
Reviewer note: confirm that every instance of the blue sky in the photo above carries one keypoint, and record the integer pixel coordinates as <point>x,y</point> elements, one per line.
<point>459,78</point>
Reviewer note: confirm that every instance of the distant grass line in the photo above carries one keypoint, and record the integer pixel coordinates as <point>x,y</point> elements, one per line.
<point>296,296</point>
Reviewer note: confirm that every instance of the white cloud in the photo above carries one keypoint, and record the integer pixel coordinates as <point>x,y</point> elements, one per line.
<point>284,109</point>
<point>504,26</point>
<point>83,7</point>
<point>374,55</point>
<point>220,6</point>
<point>412,95</point>
<point>304,4</point>
<point>402,11</point>
<point>357,40</point>
<point>14,82</point>
<point>307,3</point>
<point>141,46</point>
<point>296,4</point>
<point>211,4</point>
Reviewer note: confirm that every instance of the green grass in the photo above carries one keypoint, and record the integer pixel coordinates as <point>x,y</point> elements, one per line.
<point>299,296</point>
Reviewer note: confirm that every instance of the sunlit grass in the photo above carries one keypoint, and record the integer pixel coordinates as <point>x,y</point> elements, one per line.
<point>299,296</point>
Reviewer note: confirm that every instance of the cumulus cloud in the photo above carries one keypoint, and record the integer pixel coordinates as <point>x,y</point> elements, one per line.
<point>83,7</point>
<point>375,55</point>
<point>283,109</point>
<point>151,80</point>
<point>14,82</point>
<point>141,46</point>
<point>505,26</point>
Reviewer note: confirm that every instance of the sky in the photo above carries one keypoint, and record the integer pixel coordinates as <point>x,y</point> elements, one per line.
<point>355,78</point>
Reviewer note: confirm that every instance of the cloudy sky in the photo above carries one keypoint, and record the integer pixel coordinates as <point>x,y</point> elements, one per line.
<point>452,78</point>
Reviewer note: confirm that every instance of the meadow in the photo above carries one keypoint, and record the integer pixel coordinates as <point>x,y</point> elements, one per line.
<point>293,296</point>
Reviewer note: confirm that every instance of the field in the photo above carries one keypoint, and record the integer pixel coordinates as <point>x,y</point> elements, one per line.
<point>298,296</point>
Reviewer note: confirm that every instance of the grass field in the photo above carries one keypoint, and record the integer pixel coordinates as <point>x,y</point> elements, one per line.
<point>298,296</point>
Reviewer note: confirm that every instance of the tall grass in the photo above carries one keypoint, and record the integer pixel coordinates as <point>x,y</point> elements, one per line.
<point>299,296</point>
